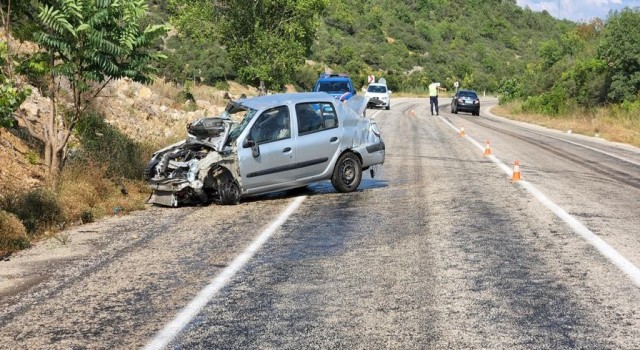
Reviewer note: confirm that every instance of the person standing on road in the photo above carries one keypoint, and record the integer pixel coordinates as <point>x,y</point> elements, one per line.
<point>433,95</point>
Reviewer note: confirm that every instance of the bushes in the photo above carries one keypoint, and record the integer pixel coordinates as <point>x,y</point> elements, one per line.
<point>37,209</point>
<point>553,103</point>
<point>13,235</point>
<point>103,144</point>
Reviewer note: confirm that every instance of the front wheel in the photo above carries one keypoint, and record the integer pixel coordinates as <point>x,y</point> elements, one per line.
<point>228,190</point>
<point>347,173</point>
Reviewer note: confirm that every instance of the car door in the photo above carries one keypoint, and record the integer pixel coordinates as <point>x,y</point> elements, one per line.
<point>269,164</point>
<point>318,139</point>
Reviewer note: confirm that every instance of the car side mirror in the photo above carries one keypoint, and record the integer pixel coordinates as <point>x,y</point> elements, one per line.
<point>390,92</point>
<point>255,149</point>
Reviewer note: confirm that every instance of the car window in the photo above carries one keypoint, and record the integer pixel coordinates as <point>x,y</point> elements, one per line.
<point>333,86</point>
<point>316,116</point>
<point>272,125</point>
<point>467,94</point>
<point>377,88</point>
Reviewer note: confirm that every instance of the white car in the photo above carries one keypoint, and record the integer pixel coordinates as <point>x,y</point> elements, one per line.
<point>379,95</point>
<point>283,141</point>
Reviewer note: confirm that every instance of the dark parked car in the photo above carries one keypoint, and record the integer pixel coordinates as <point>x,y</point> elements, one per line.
<point>465,101</point>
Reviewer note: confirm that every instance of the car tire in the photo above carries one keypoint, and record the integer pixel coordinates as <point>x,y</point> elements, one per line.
<point>150,170</point>
<point>388,107</point>
<point>228,190</point>
<point>347,174</point>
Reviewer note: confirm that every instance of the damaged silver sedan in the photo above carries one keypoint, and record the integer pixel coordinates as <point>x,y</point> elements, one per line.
<point>266,144</point>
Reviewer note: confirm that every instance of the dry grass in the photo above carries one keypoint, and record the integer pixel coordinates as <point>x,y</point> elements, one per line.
<point>608,123</point>
<point>87,194</point>
<point>13,235</point>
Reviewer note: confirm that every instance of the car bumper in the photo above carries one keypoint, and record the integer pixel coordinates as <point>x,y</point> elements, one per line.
<point>165,192</point>
<point>375,102</point>
<point>468,108</point>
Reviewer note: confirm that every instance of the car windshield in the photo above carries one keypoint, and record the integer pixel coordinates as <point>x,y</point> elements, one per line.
<point>238,128</point>
<point>377,88</point>
<point>333,86</point>
<point>468,94</point>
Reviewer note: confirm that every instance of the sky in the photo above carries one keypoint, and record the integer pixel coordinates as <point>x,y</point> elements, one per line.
<point>578,10</point>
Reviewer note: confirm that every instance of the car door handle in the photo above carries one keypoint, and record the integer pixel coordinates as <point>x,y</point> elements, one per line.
<point>286,150</point>
<point>333,139</point>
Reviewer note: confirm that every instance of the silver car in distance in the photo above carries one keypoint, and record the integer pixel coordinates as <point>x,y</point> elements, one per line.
<point>265,144</point>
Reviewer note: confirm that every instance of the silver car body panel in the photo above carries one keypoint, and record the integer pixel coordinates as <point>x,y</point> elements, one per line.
<point>291,162</point>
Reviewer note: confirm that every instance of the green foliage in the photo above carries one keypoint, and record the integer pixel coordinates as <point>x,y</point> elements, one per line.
<point>34,67</point>
<point>11,96</point>
<point>268,40</point>
<point>620,50</point>
<point>554,102</point>
<point>549,52</point>
<point>37,209</point>
<point>586,82</point>
<point>104,144</point>
<point>222,85</point>
<point>194,19</point>
<point>94,39</point>
<point>190,59</point>
<point>32,157</point>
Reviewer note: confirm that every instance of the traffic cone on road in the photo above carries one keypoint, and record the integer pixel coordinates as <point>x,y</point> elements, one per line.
<point>516,172</point>
<point>461,131</point>
<point>487,149</point>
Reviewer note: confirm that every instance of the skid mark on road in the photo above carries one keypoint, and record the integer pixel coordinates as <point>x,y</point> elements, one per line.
<point>605,249</point>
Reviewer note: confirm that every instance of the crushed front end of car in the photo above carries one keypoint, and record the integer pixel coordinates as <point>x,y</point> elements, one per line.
<point>200,169</point>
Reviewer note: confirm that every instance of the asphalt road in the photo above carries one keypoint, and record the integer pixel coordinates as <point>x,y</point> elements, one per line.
<point>439,250</point>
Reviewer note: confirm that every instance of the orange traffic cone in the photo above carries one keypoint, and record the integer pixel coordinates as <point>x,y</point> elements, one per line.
<point>516,172</point>
<point>462,131</point>
<point>487,149</point>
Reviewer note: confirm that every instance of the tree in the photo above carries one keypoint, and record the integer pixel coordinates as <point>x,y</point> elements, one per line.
<point>620,49</point>
<point>268,39</point>
<point>89,43</point>
<point>11,96</point>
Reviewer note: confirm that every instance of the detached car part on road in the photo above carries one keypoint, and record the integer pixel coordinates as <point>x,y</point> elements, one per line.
<point>281,141</point>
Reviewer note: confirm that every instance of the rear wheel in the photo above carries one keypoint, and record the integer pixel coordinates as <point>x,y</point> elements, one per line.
<point>347,173</point>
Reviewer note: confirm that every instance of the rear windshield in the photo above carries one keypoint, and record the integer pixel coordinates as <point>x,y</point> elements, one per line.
<point>377,88</point>
<point>468,94</point>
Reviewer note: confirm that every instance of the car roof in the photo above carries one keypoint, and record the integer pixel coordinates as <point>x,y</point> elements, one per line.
<point>264,102</point>
<point>334,79</point>
<point>469,91</point>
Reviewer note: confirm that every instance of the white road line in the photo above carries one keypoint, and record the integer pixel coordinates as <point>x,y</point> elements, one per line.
<point>605,249</point>
<point>172,329</point>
